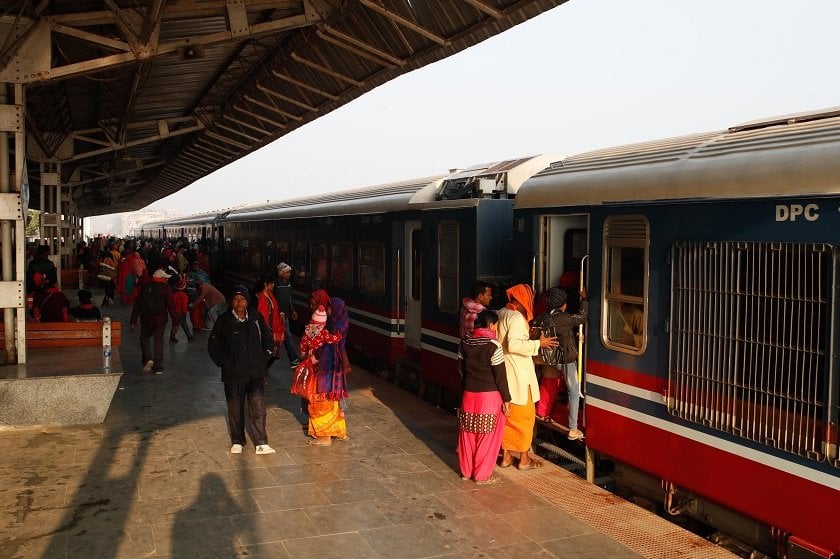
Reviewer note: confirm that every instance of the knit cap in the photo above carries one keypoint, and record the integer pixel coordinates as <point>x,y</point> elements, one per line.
<point>556,297</point>
<point>320,315</point>
<point>239,289</point>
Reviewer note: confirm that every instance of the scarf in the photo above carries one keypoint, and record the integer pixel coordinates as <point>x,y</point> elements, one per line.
<point>523,295</point>
<point>332,356</point>
<point>484,333</point>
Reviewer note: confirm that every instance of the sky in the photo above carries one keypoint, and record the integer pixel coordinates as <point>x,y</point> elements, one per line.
<point>586,75</point>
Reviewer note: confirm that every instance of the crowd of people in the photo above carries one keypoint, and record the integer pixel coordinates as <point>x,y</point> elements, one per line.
<point>499,355</point>
<point>502,396</point>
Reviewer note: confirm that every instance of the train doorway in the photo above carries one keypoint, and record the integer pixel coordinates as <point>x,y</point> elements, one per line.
<point>564,241</point>
<point>413,284</point>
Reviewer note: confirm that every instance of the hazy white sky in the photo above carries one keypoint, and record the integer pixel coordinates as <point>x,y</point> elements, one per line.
<point>585,75</point>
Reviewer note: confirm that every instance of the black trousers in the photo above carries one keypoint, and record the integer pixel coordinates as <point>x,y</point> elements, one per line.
<point>151,344</point>
<point>236,394</point>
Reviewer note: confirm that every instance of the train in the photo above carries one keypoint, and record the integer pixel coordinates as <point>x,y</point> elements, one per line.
<point>711,260</point>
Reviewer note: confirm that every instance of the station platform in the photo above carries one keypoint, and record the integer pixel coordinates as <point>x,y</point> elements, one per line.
<point>156,479</point>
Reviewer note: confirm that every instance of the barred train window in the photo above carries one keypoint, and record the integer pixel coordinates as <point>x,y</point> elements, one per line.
<point>448,290</point>
<point>626,239</point>
<point>748,341</point>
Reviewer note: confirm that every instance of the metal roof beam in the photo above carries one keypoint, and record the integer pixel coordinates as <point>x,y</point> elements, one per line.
<point>482,7</point>
<point>352,44</point>
<point>225,140</point>
<point>241,122</point>
<point>325,70</point>
<point>132,49</point>
<point>233,130</point>
<point>378,8</point>
<point>125,145</point>
<point>286,98</point>
<point>258,116</point>
<point>305,86</point>
<point>272,108</point>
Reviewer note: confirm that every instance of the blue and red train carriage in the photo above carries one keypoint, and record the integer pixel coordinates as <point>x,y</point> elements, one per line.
<point>711,358</point>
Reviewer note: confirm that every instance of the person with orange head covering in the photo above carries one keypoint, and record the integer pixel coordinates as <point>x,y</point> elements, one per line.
<point>519,350</point>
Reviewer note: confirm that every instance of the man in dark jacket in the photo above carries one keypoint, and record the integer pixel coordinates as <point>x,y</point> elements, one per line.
<point>286,305</point>
<point>153,307</point>
<point>240,344</point>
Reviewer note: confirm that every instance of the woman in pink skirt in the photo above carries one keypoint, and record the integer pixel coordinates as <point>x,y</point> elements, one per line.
<point>485,401</point>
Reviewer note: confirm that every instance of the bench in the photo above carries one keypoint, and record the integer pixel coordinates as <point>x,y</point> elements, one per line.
<point>66,334</point>
<point>64,380</point>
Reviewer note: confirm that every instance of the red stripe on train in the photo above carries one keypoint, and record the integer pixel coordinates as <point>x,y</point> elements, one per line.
<point>799,506</point>
<point>626,376</point>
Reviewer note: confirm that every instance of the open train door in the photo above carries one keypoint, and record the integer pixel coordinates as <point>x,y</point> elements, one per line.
<point>413,286</point>
<point>564,240</point>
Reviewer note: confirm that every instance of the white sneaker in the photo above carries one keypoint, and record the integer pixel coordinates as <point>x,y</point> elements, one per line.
<point>149,366</point>
<point>575,435</point>
<point>265,449</point>
<point>236,449</point>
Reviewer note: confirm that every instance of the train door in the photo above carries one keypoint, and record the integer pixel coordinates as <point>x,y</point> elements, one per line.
<point>413,283</point>
<point>564,240</point>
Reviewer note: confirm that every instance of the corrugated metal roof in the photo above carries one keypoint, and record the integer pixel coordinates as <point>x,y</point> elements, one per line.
<point>136,99</point>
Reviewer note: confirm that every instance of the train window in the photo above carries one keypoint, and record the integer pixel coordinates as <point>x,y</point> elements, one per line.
<point>448,289</point>
<point>749,341</point>
<point>625,283</point>
<point>319,265</point>
<point>372,268</point>
<point>298,262</point>
<point>342,265</point>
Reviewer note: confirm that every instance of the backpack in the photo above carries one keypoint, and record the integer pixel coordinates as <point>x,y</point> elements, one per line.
<point>151,298</point>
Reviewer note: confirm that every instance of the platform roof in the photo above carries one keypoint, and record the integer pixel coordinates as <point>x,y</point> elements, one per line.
<point>136,99</point>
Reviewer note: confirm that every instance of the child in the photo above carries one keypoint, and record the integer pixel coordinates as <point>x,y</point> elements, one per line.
<point>85,310</point>
<point>180,302</point>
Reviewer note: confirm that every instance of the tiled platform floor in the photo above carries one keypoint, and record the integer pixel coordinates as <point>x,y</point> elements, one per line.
<point>156,480</point>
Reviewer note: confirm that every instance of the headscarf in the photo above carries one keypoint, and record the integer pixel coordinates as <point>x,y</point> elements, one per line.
<point>282,267</point>
<point>523,295</point>
<point>332,357</point>
<point>321,298</point>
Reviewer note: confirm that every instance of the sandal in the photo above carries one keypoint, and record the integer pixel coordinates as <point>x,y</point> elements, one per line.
<point>344,438</point>
<point>534,463</point>
<point>489,481</point>
<point>504,464</point>
<point>319,442</point>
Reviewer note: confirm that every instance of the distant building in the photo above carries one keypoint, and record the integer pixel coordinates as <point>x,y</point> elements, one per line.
<point>131,222</point>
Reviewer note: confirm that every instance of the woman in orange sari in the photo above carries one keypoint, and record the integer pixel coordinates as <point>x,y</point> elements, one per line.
<point>519,350</point>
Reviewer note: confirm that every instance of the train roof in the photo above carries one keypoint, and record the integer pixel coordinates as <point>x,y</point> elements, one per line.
<point>369,200</point>
<point>194,219</point>
<point>788,155</point>
<point>455,189</point>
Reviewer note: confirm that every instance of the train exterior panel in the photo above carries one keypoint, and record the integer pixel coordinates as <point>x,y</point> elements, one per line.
<point>711,361</point>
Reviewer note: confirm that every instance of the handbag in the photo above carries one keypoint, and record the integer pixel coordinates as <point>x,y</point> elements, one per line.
<point>106,272</point>
<point>304,384</point>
